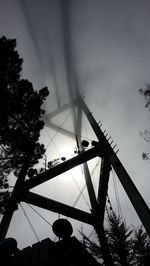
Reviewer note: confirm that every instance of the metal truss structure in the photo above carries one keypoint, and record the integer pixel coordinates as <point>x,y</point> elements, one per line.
<point>101,148</point>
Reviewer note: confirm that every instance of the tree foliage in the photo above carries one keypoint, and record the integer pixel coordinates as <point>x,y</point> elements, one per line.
<point>141,247</point>
<point>127,246</point>
<point>20,115</point>
<point>146,133</point>
<point>118,234</point>
<point>146,93</point>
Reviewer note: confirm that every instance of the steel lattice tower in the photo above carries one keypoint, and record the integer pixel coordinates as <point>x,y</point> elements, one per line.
<point>101,148</point>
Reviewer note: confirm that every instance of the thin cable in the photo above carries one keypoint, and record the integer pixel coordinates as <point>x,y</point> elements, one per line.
<point>39,214</point>
<point>91,233</point>
<point>108,214</point>
<point>83,188</point>
<point>25,214</point>
<point>81,136</point>
<point>58,130</point>
<point>110,205</point>
<point>52,141</point>
<point>117,195</point>
<point>81,193</point>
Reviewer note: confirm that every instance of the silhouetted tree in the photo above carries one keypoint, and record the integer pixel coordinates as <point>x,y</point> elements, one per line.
<point>20,117</point>
<point>141,247</point>
<point>119,240</point>
<point>127,247</point>
<point>92,245</point>
<point>146,133</point>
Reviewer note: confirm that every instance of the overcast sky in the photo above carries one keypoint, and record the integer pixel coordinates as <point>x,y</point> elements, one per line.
<point>110,45</point>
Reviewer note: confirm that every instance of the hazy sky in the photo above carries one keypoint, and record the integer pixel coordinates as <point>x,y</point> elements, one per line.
<point>110,45</point>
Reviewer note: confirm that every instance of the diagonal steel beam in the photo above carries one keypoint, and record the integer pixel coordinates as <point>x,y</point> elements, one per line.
<point>90,188</point>
<point>103,187</point>
<point>135,197</point>
<point>58,207</point>
<point>61,168</point>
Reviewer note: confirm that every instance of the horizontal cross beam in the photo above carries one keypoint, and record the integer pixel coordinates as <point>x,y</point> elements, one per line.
<point>61,168</point>
<point>58,207</point>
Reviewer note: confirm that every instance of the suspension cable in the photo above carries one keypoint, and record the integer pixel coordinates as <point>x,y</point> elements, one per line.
<point>39,214</point>
<point>116,194</point>
<point>80,193</point>
<point>91,233</point>
<point>83,188</point>
<point>58,130</point>
<point>32,228</point>
<point>110,207</point>
<point>52,141</point>
<point>108,214</point>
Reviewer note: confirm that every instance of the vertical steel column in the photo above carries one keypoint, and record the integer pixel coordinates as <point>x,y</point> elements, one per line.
<point>103,187</point>
<point>104,245</point>
<point>96,211</point>
<point>90,188</point>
